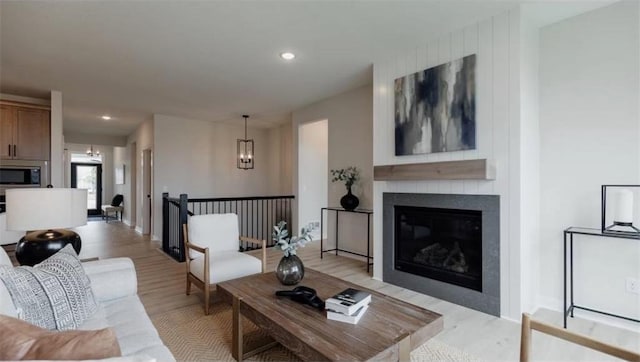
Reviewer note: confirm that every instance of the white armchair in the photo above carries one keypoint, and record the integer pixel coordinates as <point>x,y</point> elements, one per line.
<point>211,245</point>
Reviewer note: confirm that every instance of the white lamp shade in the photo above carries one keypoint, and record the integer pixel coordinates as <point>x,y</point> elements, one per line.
<point>39,209</point>
<point>623,212</point>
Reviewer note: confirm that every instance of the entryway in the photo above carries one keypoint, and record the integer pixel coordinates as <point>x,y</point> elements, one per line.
<point>313,173</point>
<point>147,192</point>
<point>88,176</point>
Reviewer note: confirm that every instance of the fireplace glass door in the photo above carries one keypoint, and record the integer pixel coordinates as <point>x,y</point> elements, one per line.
<point>441,244</point>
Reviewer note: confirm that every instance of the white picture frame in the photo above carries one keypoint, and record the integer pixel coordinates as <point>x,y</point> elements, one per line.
<point>119,176</point>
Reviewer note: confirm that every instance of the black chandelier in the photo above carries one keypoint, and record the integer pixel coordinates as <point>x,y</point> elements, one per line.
<point>245,150</point>
<point>91,153</point>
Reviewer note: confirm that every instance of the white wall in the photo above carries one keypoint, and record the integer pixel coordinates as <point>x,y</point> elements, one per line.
<point>529,161</point>
<point>313,181</point>
<point>96,139</point>
<point>350,140</point>
<point>121,156</point>
<point>229,180</point>
<point>199,158</point>
<point>281,158</point>
<point>183,157</point>
<point>590,132</point>
<point>496,42</point>
<point>143,138</point>
<point>131,192</point>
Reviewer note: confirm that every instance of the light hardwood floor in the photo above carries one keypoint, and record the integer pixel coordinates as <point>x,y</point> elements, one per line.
<point>161,283</point>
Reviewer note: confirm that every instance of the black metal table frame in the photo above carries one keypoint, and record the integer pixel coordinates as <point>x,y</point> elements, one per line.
<point>568,238</point>
<point>338,210</point>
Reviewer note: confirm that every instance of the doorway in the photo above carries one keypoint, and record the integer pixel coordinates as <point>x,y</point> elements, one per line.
<point>147,200</point>
<point>89,176</point>
<point>133,184</point>
<point>313,173</point>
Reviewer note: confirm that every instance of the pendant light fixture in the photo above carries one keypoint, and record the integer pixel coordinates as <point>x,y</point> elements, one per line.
<point>245,150</point>
<point>90,152</point>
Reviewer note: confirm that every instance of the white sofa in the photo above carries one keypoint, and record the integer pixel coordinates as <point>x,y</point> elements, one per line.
<point>7,236</point>
<point>115,286</point>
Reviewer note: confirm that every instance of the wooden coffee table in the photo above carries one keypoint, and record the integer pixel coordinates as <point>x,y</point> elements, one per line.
<point>388,331</point>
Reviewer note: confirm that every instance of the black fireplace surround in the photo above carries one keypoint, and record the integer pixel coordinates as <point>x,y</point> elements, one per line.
<point>446,246</point>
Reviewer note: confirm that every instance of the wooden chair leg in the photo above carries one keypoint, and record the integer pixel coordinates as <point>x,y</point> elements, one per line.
<point>188,286</point>
<point>207,295</point>
<point>525,338</point>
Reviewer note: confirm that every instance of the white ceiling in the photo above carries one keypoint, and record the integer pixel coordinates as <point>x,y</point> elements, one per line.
<point>211,60</point>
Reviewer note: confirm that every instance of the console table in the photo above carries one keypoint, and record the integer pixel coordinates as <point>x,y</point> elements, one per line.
<point>338,210</point>
<point>568,240</point>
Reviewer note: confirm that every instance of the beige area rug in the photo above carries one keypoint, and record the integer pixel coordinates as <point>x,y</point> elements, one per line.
<point>192,336</point>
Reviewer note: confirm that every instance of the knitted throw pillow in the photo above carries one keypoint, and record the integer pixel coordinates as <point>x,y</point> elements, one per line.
<point>55,294</point>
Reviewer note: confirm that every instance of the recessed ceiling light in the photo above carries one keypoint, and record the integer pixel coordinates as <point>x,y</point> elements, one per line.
<point>106,118</point>
<point>287,55</point>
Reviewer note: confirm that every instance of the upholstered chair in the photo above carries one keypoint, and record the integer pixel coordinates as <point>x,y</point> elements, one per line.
<point>212,242</point>
<point>115,207</point>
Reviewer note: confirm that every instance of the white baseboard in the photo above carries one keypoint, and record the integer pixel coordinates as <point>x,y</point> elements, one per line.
<point>557,305</point>
<point>550,303</point>
<point>155,238</point>
<point>506,317</point>
<point>138,229</point>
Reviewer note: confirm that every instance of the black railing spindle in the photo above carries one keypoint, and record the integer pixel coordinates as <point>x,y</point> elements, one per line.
<point>256,217</point>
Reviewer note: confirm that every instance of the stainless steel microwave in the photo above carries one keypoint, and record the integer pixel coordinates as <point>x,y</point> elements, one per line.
<point>22,174</point>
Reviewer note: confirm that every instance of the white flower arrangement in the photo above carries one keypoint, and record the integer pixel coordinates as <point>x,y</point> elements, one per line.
<point>289,244</point>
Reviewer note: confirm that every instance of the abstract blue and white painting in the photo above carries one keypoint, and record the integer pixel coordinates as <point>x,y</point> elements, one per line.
<point>435,109</point>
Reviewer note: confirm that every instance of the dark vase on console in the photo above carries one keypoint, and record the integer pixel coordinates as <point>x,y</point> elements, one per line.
<point>349,201</point>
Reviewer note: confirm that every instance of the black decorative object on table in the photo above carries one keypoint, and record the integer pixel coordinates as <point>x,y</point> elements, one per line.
<point>349,201</point>
<point>46,212</point>
<point>37,246</point>
<point>303,295</point>
<point>290,270</point>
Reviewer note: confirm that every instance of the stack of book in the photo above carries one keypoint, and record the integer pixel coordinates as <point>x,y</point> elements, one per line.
<point>348,306</point>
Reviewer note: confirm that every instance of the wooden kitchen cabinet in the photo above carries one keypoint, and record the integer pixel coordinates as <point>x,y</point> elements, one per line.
<point>24,133</point>
<point>7,124</point>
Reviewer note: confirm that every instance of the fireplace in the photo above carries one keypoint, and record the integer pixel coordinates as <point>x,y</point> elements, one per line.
<point>441,244</point>
<point>446,246</point>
